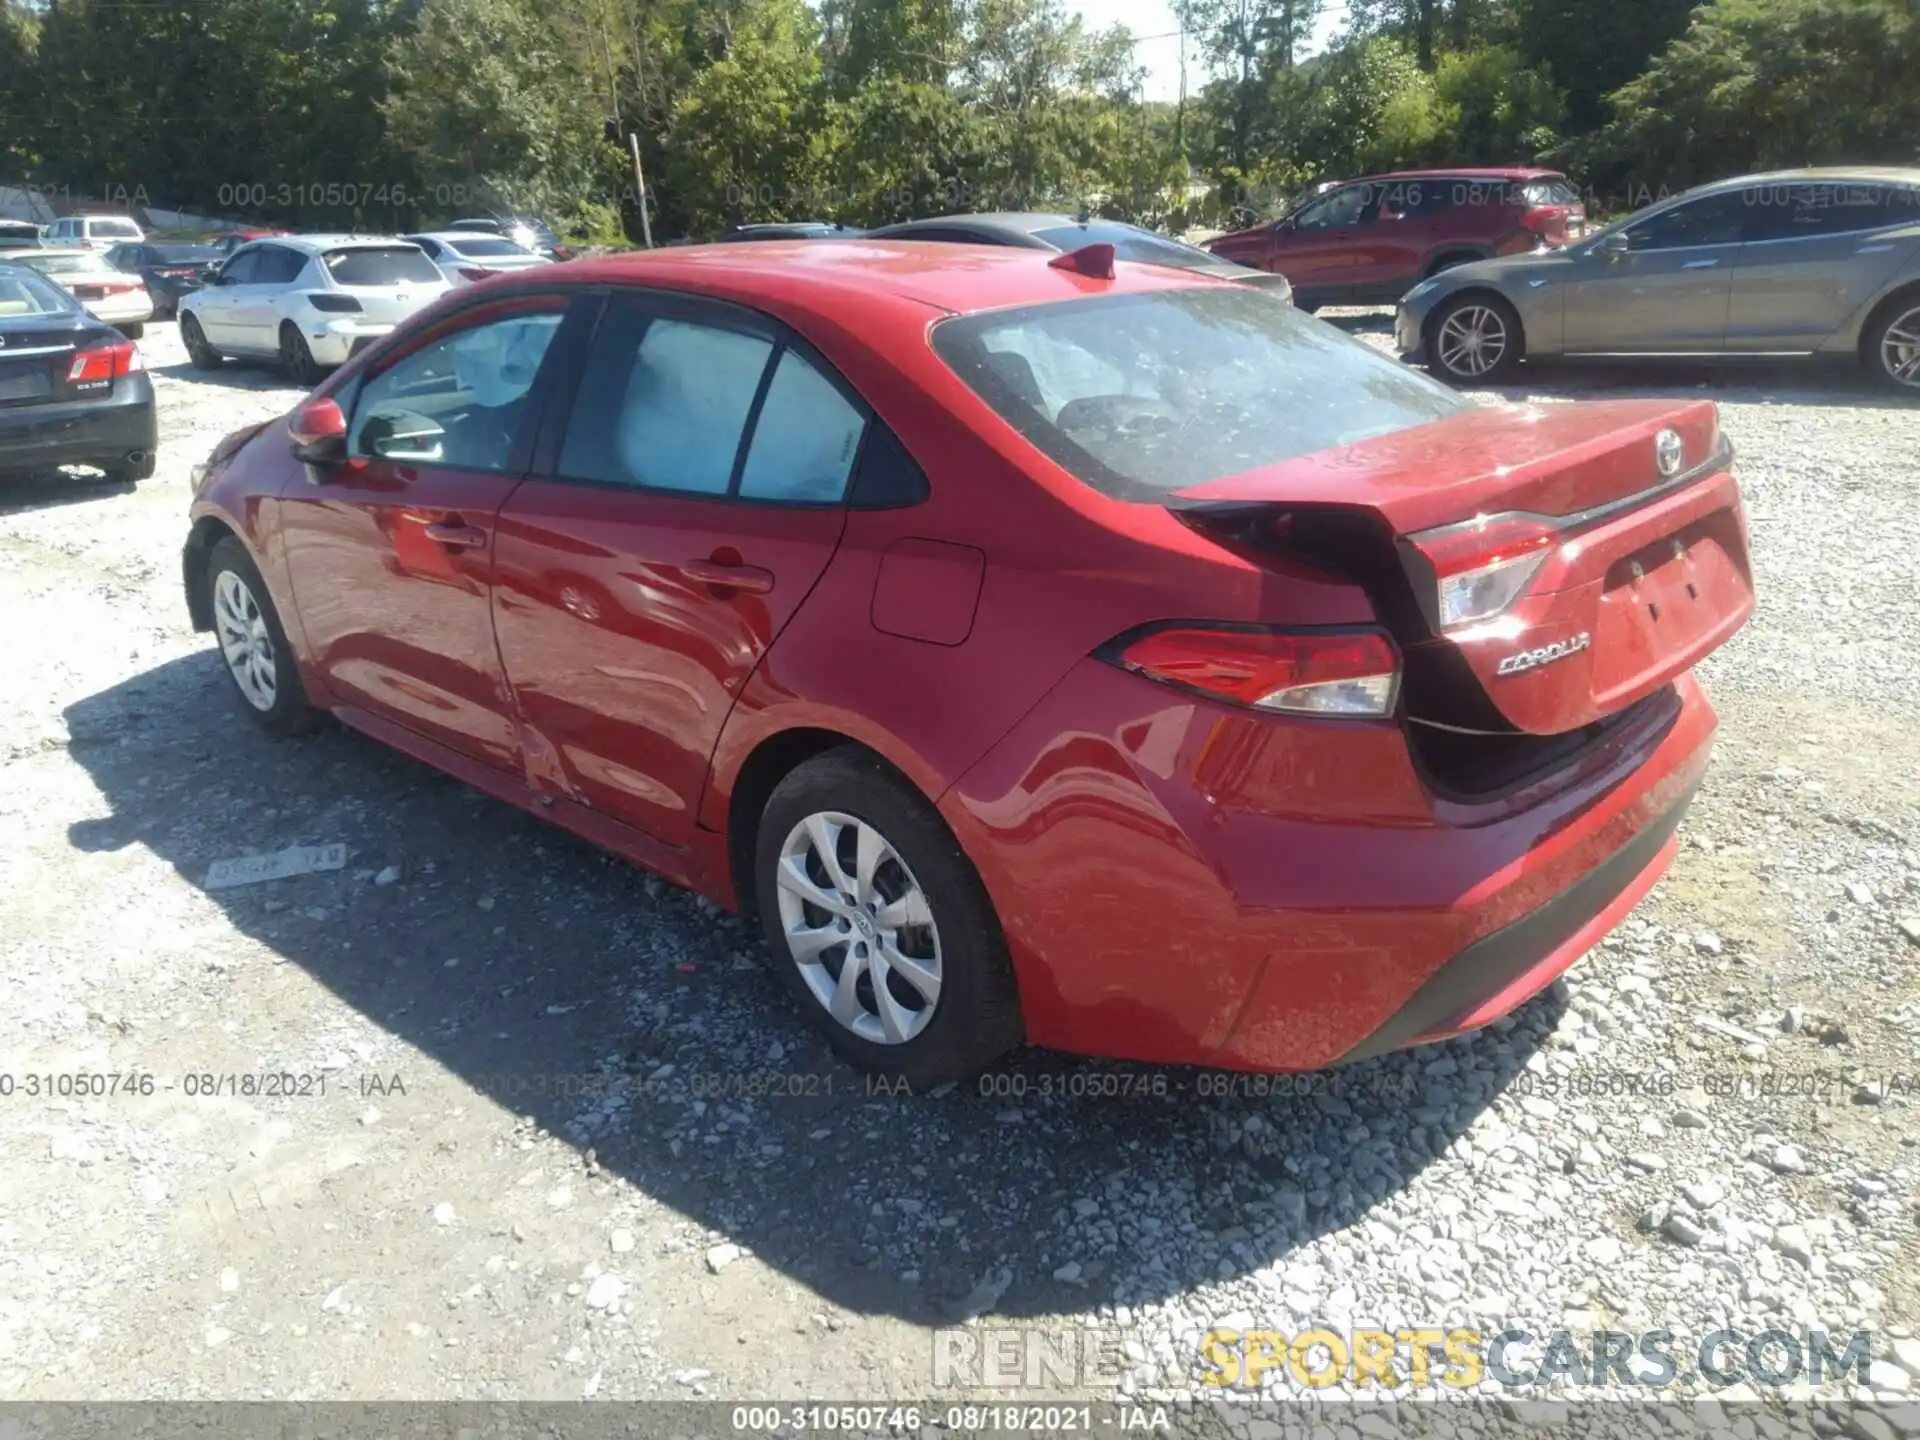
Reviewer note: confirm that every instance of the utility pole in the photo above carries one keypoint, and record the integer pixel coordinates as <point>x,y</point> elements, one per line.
<point>640,187</point>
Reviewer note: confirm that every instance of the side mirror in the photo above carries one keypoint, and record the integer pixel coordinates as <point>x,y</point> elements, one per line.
<point>1613,246</point>
<point>317,431</point>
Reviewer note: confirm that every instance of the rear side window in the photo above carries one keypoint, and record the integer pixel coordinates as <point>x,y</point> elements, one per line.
<point>380,266</point>
<point>663,404</point>
<point>1557,191</point>
<point>1142,395</point>
<point>666,404</point>
<point>1788,212</point>
<point>805,439</point>
<point>278,265</point>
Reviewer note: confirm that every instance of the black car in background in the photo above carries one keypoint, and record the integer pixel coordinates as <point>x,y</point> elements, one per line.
<point>169,270</point>
<point>528,231</point>
<point>792,230</point>
<point>1040,230</point>
<point>73,390</point>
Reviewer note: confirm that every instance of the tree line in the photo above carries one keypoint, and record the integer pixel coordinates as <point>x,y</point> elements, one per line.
<point>387,113</point>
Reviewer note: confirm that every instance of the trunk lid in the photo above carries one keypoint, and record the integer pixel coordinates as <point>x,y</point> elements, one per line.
<point>1639,569</point>
<point>35,360</point>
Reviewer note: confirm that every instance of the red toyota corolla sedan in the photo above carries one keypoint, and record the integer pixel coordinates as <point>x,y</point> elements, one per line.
<point>1102,656</point>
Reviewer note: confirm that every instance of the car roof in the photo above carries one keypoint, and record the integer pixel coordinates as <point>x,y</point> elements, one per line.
<point>1851,174</point>
<point>1466,172</point>
<point>828,276</point>
<point>317,244</point>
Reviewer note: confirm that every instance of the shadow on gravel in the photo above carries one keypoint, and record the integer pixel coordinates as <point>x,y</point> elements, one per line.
<point>579,979</point>
<point>43,489</point>
<point>234,374</point>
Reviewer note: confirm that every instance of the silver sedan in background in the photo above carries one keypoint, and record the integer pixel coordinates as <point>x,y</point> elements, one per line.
<point>1799,262</point>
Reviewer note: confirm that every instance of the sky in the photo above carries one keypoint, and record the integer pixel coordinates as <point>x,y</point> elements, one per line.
<point>1157,39</point>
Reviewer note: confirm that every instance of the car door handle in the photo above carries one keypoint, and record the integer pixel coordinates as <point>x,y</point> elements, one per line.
<point>1699,264</point>
<point>748,579</point>
<point>458,537</point>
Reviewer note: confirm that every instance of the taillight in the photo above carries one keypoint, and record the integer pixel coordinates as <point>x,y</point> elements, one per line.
<point>103,362</point>
<point>1481,566</point>
<point>120,287</point>
<point>1350,673</point>
<point>474,272</point>
<point>333,304</point>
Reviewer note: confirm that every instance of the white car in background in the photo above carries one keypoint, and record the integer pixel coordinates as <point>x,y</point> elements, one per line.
<point>308,301</point>
<point>464,257</point>
<point>95,232</point>
<point>108,294</point>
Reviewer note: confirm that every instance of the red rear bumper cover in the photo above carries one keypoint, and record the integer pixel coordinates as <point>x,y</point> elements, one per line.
<point>1181,882</point>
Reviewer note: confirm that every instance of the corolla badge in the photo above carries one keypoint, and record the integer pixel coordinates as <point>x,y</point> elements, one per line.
<point>1669,452</point>
<point>1545,655</point>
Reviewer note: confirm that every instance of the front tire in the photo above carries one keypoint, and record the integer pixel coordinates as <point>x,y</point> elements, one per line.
<point>1891,346</point>
<point>879,926</point>
<point>200,354</point>
<point>253,644</point>
<point>296,359</point>
<point>1474,339</point>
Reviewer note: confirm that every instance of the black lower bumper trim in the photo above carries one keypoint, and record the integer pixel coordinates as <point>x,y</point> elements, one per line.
<point>1495,961</point>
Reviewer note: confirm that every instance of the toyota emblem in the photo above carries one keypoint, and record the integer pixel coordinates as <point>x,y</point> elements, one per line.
<point>1669,452</point>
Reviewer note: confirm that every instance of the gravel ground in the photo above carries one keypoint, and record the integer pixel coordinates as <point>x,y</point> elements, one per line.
<point>574,1142</point>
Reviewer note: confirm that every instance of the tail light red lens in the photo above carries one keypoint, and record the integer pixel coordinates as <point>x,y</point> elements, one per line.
<point>1354,673</point>
<point>1481,566</point>
<point>104,362</point>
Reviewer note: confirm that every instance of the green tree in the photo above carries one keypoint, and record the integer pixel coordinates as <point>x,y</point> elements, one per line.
<point>1592,47</point>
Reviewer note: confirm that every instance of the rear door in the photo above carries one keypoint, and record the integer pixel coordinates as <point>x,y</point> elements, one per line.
<point>1669,290</point>
<point>684,512</point>
<point>391,551</point>
<point>1815,253</point>
<point>254,310</point>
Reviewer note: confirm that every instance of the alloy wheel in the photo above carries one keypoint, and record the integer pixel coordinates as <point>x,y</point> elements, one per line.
<point>859,928</point>
<point>1900,349</point>
<point>1472,340</point>
<point>245,641</point>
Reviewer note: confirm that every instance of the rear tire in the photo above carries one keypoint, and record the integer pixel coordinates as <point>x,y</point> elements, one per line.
<point>1891,346</point>
<point>200,354</point>
<point>852,867</point>
<point>1474,339</point>
<point>253,644</point>
<point>296,359</point>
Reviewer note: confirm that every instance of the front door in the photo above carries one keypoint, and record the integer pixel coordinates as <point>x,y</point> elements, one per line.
<point>391,550</point>
<point>693,499</point>
<point>1668,290</point>
<point>1320,247</point>
<point>215,311</point>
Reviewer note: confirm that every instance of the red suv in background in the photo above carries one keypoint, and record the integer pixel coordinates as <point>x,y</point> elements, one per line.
<point>1366,242</point>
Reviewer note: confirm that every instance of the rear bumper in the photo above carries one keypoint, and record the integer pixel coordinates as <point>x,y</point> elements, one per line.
<point>1184,883</point>
<point>82,432</point>
<point>130,309</point>
<point>334,342</point>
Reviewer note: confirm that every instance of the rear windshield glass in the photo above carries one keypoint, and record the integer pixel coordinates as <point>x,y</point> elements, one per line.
<point>480,245</point>
<point>1140,395</point>
<point>389,265</point>
<point>24,293</point>
<point>1549,192</point>
<point>185,254</point>
<point>62,264</point>
<point>1131,244</point>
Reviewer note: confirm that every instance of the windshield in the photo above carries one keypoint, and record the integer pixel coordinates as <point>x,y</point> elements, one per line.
<point>24,293</point>
<point>383,265</point>
<point>481,246</point>
<point>1143,395</point>
<point>61,264</point>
